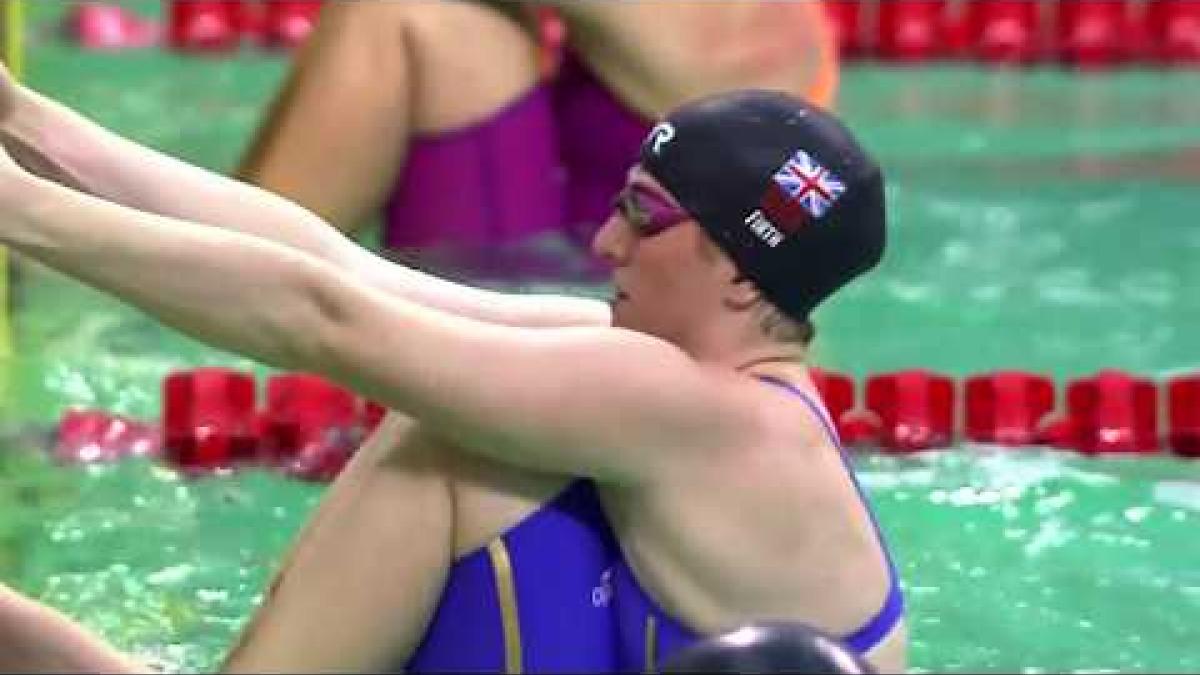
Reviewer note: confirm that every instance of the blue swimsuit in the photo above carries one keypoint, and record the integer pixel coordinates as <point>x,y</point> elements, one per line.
<point>535,600</point>
<point>555,594</point>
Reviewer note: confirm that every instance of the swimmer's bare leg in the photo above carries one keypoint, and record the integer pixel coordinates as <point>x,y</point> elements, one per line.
<point>355,593</point>
<point>358,589</point>
<point>36,638</point>
<point>373,75</point>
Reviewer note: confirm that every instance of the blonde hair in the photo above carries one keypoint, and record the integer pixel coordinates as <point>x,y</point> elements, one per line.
<point>782,328</point>
<point>774,323</point>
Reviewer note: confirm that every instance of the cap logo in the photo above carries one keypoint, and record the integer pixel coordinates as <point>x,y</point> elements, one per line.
<point>660,135</point>
<point>801,190</point>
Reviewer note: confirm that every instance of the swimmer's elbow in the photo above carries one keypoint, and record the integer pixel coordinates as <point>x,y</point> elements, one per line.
<point>299,328</point>
<point>326,329</point>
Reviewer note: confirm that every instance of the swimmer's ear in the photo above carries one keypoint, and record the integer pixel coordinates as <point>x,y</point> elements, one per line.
<point>742,293</point>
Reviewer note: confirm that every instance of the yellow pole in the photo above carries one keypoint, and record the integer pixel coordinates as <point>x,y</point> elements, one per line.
<point>14,57</point>
<point>14,37</point>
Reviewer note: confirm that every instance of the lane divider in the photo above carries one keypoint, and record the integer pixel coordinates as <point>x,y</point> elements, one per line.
<point>1082,34</point>
<point>214,420</point>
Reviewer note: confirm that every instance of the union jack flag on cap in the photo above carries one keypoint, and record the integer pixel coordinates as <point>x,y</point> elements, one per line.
<point>801,190</point>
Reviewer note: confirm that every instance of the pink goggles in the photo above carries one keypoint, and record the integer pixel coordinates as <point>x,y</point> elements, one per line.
<point>648,211</point>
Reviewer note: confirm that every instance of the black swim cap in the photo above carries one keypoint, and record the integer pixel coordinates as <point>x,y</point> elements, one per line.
<point>780,185</point>
<point>768,648</point>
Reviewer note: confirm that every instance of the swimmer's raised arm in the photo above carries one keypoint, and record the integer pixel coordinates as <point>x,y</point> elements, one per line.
<point>579,400</point>
<point>62,145</point>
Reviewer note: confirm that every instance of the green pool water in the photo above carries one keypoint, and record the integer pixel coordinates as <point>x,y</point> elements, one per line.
<point>1041,220</point>
<point>1013,561</point>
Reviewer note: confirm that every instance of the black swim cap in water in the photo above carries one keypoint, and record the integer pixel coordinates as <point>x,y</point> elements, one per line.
<point>780,185</point>
<point>768,648</point>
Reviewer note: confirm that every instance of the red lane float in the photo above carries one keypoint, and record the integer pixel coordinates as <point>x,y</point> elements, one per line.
<point>310,427</point>
<point>204,26</point>
<point>1059,431</point>
<point>855,428</point>
<point>915,409</point>
<point>1004,31</point>
<point>1172,29</point>
<point>373,414</point>
<point>912,31</point>
<point>1114,412</point>
<point>1183,415</point>
<point>837,392</point>
<point>106,27</point>
<point>92,436</point>
<point>848,19</point>
<point>286,24</point>
<point>1007,407</point>
<point>1091,34</point>
<point>209,419</point>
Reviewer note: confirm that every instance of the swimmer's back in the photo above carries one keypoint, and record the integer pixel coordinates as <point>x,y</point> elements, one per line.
<point>655,54</point>
<point>774,530</point>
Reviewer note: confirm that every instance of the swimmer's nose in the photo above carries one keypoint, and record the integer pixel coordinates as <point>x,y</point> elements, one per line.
<point>610,242</point>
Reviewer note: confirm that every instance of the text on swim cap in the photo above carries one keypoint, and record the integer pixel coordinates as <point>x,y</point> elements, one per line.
<point>764,229</point>
<point>660,135</point>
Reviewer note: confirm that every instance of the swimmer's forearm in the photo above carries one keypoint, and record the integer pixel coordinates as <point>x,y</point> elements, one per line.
<point>86,156</point>
<point>109,166</point>
<point>35,638</point>
<point>234,291</point>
